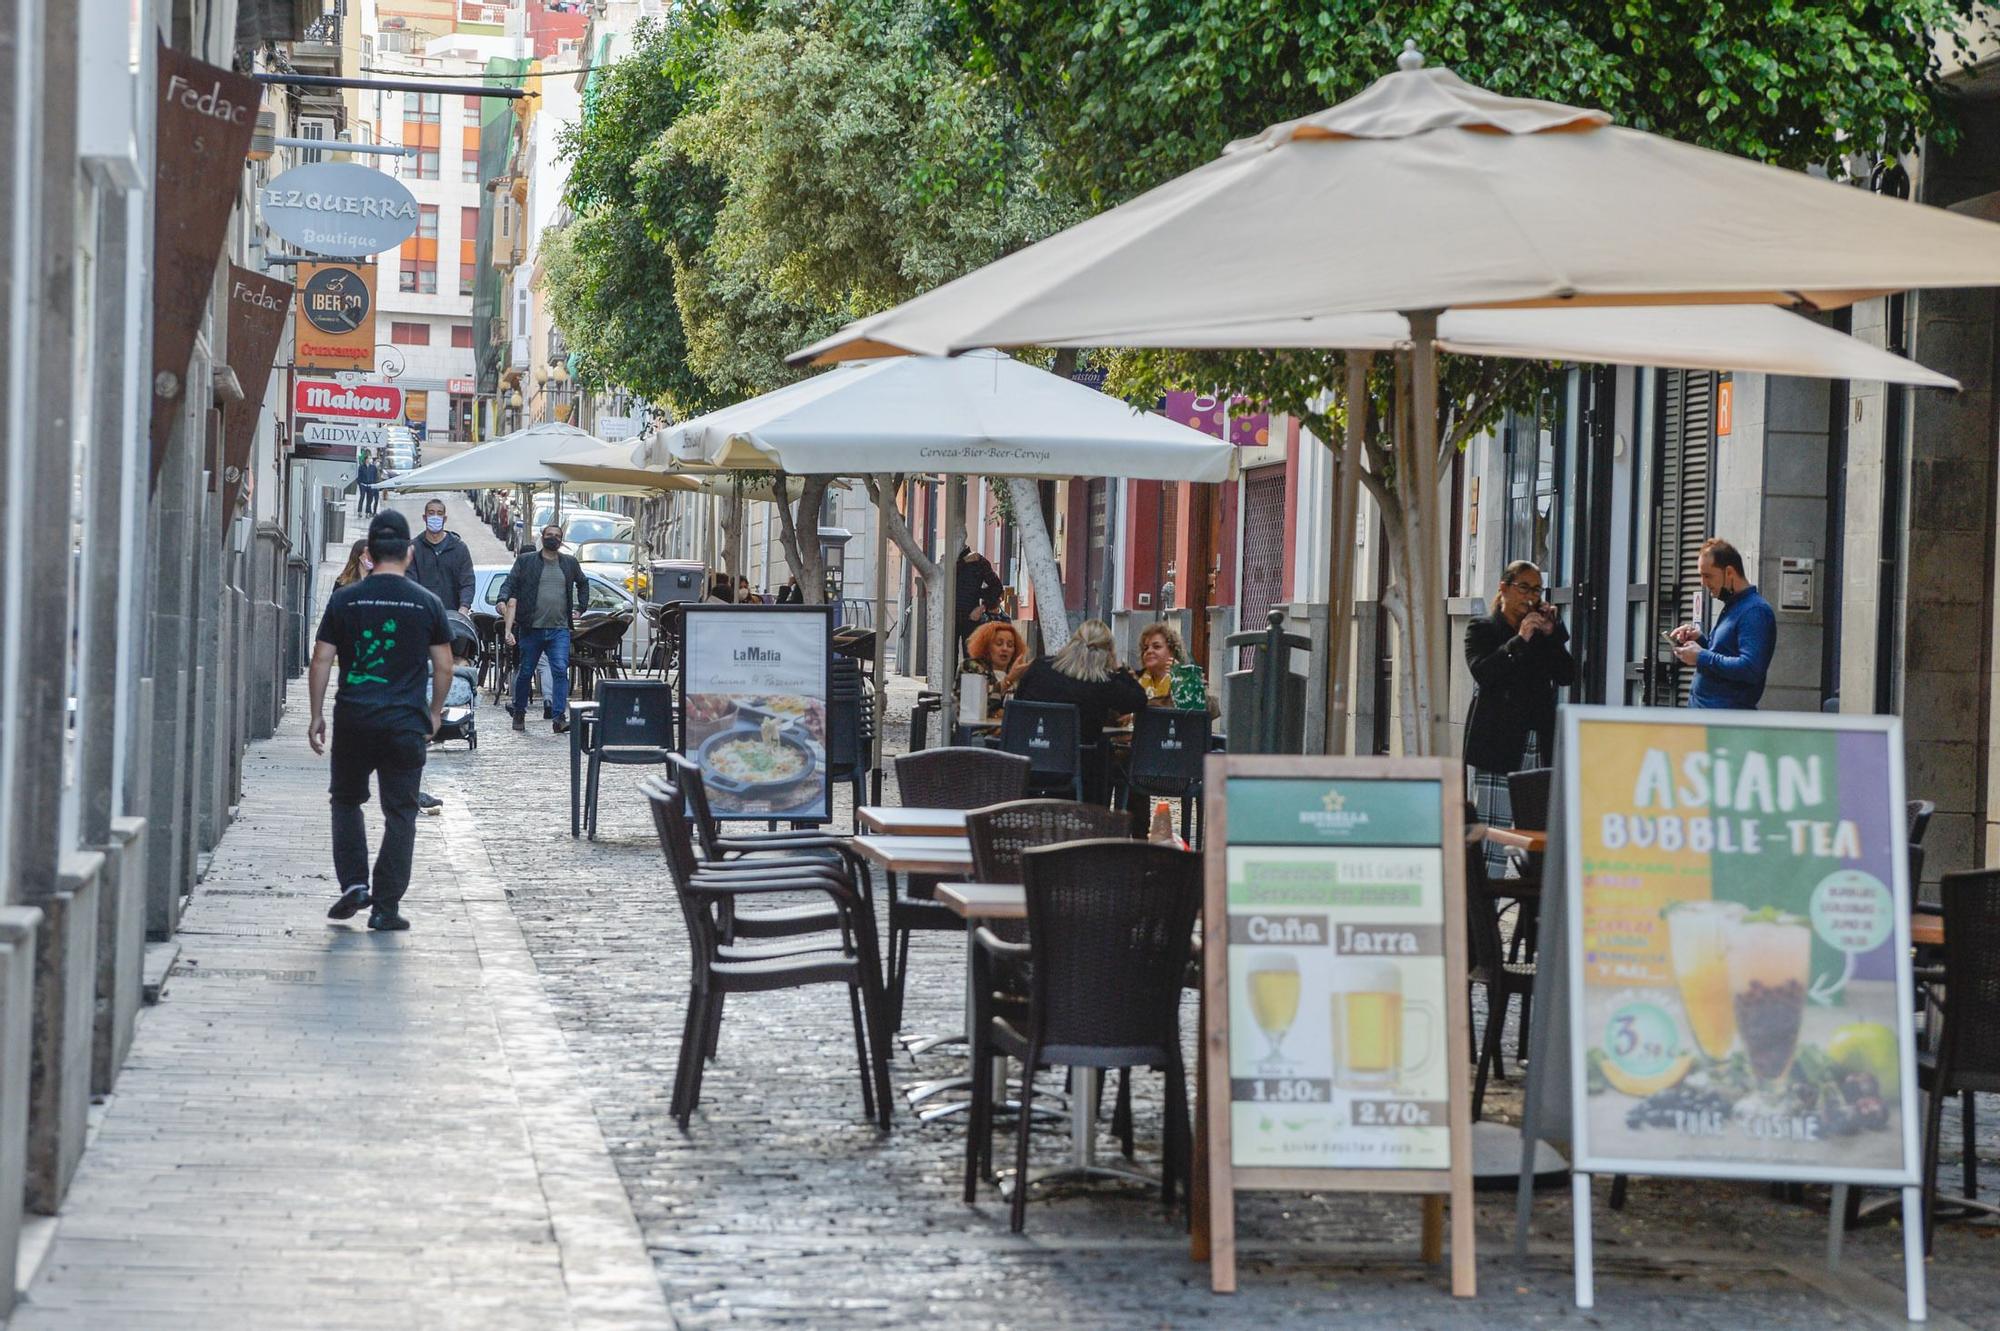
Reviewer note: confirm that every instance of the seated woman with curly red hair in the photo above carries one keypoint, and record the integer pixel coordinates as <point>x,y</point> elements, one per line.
<point>995,650</point>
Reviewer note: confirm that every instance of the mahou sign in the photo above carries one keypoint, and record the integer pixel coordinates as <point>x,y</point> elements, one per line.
<point>331,401</point>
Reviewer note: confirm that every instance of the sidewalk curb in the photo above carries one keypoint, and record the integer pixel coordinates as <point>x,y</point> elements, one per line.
<point>607,1270</point>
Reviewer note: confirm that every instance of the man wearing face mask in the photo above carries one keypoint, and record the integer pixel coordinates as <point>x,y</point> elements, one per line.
<point>440,563</point>
<point>543,593</point>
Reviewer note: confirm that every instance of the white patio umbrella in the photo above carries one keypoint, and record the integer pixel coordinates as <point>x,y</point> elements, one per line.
<point>1755,339</point>
<point>1425,194</point>
<point>612,469</point>
<point>982,414</point>
<point>519,458</point>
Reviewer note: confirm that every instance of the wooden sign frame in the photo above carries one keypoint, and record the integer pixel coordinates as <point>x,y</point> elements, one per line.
<point>1223,1178</point>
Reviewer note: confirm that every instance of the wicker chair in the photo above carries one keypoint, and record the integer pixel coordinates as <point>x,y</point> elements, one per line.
<point>1968,1055</point>
<point>1109,928</point>
<point>940,779</point>
<point>999,836</point>
<point>720,968</point>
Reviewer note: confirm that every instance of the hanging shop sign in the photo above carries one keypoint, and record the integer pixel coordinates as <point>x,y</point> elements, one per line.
<point>1724,987</point>
<point>340,209</point>
<point>336,323</point>
<point>1337,1052</point>
<point>205,116</point>
<point>328,400</point>
<point>755,685</point>
<point>258,306</point>
<point>333,441</point>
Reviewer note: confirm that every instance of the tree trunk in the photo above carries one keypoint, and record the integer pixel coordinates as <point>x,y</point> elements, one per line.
<point>730,557</point>
<point>807,563</point>
<point>1039,553</point>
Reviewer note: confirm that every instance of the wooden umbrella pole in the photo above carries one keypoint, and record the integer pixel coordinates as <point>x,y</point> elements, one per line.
<point>883,498</point>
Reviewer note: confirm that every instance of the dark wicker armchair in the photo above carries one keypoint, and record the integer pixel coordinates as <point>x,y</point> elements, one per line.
<point>1109,928</point>
<point>953,778</point>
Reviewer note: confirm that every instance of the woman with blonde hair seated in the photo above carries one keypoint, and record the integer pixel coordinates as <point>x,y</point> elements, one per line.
<point>1086,673</point>
<point>996,653</point>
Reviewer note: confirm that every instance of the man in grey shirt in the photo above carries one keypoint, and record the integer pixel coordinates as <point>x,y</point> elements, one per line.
<point>543,593</point>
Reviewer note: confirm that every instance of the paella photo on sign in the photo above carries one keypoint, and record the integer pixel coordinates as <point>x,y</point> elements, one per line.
<point>755,710</point>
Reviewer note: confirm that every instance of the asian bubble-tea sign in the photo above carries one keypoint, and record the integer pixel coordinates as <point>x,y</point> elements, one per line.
<point>1742,912</point>
<point>1335,986</point>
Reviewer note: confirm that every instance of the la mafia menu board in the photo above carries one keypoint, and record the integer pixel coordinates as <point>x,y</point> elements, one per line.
<point>1741,950</point>
<point>754,693</point>
<point>1336,973</point>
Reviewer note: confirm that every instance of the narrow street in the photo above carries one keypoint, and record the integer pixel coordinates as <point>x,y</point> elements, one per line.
<point>466,1125</point>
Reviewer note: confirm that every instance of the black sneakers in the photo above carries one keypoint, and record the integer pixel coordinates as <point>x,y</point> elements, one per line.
<point>520,720</point>
<point>429,803</point>
<point>561,725</point>
<point>388,921</point>
<point>352,900</point>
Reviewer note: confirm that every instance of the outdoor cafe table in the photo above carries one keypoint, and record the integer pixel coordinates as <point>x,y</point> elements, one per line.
<point>891,820</point>
<point>1009,901</point>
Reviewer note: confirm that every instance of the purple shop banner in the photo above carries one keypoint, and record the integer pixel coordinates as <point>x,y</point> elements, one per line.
<point>1205,412</point>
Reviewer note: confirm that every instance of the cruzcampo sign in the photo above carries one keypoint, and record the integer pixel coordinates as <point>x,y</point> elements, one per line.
<point>339,209</point>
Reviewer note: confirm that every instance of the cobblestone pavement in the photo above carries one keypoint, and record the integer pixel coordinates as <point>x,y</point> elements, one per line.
<point>781,1207</point>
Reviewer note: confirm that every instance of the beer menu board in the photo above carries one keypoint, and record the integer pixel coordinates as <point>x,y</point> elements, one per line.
<point>1739,954</point>
<point>1337,994</point>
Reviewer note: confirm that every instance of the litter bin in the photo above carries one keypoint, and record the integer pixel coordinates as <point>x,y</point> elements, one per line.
<point>1266,704</point>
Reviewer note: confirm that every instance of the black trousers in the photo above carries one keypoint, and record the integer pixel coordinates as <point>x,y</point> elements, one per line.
<point>396,759</point>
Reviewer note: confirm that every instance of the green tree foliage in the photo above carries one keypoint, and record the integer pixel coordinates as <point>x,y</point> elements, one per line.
<point>1130,93</point>
<point>611,272</point>
<point>751,177</point>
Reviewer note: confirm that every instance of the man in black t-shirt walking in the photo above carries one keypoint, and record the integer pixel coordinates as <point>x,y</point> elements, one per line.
<point>390,638</point>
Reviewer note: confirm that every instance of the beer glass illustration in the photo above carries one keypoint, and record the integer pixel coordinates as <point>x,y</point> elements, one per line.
<point>1369,1017</point>
<point>1273,983</point>
<point>1770,965</point>
<point>1698,935</point>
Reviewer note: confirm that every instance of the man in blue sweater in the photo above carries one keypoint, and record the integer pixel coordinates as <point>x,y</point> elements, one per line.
<point>1729,664</point>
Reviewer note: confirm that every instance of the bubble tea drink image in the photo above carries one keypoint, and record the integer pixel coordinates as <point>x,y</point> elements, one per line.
<point>1770,964</point>
<point>1698,934</point>
<point>1273,984</point>
<point>1369,1015</point>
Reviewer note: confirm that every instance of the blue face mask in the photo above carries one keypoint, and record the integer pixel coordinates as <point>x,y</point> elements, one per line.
<point>434,521</point>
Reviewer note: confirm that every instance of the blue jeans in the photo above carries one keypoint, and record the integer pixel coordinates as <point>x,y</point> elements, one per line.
<point>533,643</point>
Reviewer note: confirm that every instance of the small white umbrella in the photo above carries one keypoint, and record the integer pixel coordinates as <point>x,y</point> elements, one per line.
<point>981,414</point>
<point>519,458</point>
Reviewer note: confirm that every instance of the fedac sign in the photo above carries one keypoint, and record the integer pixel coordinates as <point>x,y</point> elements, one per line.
<point>339,209</point>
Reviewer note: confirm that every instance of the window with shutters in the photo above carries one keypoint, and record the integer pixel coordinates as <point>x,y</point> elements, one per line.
<point>1685,494</point>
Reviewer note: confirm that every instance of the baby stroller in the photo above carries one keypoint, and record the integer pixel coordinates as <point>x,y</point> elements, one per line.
<point>459,720</point>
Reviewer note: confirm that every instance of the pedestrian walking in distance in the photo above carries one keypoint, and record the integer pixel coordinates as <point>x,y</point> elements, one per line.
<point>543,594</point>
<point>368,475</point>
<point>1730,664</point>
<point>390,640</point>
<point>1519,656</point>
<point>441,564</point>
